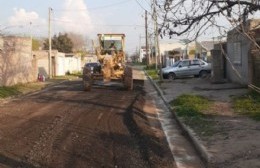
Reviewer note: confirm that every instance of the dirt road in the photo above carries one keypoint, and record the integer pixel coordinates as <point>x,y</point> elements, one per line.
<point>63,126</point>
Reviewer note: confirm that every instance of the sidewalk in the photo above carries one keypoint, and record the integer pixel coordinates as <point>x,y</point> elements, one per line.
<point>182,151</point>
<point>231,145</point>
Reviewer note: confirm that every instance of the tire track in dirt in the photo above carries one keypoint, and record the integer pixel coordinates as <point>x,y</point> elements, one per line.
<point>72,141</point>
<point>110,133</point>
<point>70,144</point>
<point>40,153</point>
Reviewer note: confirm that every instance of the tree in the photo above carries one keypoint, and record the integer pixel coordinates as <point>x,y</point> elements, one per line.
<point>78,41</point>
<point>135,57</point>
<point>193,17</point>
<point>79,44</point>
<point>62,43</point>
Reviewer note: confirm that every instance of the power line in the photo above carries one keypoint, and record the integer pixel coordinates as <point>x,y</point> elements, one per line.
<point>142,6</point>
<point>67,21</point>
<point>147,2</point>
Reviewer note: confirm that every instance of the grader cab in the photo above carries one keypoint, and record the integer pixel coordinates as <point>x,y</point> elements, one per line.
<point>112,62</point>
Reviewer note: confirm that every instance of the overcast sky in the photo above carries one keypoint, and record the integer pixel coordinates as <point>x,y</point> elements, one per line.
<point>86,17</point>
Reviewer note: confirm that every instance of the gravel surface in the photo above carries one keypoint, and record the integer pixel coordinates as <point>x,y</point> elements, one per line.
<point>63,126</point>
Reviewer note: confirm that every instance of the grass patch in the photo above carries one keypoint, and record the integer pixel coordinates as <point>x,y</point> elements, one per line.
<point>153,74</point>
<point>66,77</point>
<point>138,63</point>
<point>28,87</point>
<point>150,67</point>
<point>248,105</point>
<point>190,109</point>
<point>19,89</point>
<point>8,91</point>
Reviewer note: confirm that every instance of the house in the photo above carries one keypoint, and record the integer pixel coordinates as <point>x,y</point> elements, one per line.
<point>142,54</point>
<point>239,58</point>
<point>72,63</point>
<point>171,52</point>
<point>57,62</point>
<point>16,61</point>
<point>203,49</point>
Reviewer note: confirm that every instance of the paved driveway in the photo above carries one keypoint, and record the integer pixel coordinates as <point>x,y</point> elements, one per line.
<point>201,86</point>
<point>231,145</point>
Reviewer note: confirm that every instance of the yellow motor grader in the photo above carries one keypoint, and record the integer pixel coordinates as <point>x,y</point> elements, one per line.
<point>112,63</point>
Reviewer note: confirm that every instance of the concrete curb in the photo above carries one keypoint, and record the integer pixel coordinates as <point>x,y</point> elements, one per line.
<point>200,149</point>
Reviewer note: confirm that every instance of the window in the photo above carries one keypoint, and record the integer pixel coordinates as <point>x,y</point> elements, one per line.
<point>202,62</point>
<point>185,63</point>
<point>237,52</point>
<point>116,43</point>
<point>176,64</point>
<point>195,62</point>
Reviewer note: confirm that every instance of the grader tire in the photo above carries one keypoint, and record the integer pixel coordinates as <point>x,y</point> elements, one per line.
<point>87,82</point>
<point>87,86</point>
<point>128,78</point>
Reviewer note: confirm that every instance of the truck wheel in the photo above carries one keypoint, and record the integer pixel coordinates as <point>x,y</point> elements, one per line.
<point>171,76</point>
<point>203,74</point>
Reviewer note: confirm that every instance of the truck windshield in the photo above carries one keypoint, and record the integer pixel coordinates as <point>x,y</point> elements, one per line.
<point>112,44</point>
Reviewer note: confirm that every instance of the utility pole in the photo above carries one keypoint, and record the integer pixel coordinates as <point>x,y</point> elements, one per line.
<point>146,39</point>
<point>31,37</point>
<point>140,47</point>
<point>152,56</point>
<point>155,43</point>
<point>157,39</point>
<point>49,58</point>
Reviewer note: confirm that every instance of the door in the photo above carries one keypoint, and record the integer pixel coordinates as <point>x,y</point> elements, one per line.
<point>195,67</point>
<point>183,68</point>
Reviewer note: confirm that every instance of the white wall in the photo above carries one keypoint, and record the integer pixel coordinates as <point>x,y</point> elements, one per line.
<point>60,65</point>
<point>142,54</point>
<point>72,64</point>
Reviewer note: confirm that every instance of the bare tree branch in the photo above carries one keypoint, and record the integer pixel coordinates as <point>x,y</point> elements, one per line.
<point>179,17</point>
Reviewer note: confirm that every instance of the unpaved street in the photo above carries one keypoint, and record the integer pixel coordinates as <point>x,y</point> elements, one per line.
<point>63,126</point>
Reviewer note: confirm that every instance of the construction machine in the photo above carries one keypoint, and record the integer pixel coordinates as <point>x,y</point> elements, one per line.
<point>112,63</point>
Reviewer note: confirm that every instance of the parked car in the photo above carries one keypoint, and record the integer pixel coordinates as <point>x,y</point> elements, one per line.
<point>187,67</point>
